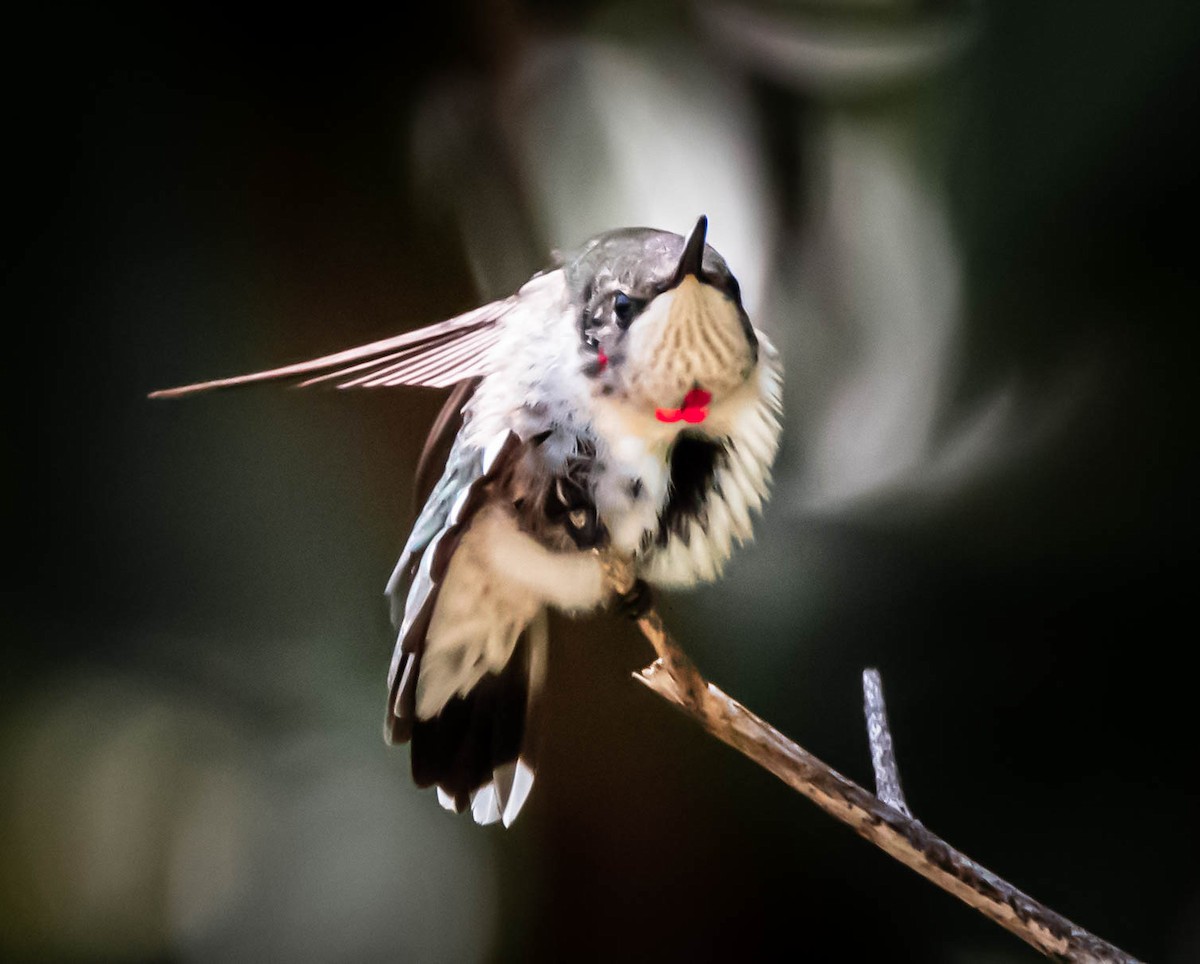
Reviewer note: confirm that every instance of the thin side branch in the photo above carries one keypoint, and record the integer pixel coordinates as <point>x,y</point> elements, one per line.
<point>883,757</point>
<point>675,678</point>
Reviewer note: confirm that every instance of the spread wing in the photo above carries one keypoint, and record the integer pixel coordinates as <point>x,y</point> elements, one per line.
<point>436,356</point>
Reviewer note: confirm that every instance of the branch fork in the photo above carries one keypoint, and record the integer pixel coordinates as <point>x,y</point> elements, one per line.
<point>882,817</point>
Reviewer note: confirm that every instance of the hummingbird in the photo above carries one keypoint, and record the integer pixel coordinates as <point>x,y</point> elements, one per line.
<point>619,402</point>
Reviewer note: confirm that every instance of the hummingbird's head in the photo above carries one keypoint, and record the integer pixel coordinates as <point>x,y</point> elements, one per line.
<point>661,321</point>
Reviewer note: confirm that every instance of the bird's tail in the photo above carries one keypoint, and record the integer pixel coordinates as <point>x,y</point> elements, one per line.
<point>478,750</point>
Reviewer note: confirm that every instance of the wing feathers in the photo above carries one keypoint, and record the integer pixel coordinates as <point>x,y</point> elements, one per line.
<point>436,451</point>
<point>436,356</point>
<point>449,363</point>
<point>475,740</point>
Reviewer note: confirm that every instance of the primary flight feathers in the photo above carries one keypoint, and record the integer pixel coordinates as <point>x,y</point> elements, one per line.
<point>436,356</point>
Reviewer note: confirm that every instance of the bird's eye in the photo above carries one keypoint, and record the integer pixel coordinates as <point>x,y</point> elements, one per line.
<point>625,309</point>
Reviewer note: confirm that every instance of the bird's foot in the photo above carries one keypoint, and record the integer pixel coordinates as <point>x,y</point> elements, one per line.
<point>635,603</point>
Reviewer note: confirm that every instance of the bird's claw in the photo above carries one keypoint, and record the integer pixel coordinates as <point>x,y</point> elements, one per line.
<point>635,603</point>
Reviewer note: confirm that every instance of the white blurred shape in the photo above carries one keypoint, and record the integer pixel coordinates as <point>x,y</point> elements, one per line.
<point>851,56</point>
<point>867,307</point>
<point>141,823</point>
<point>656,136</point>
<point>896,290</point>
<point>92,787</point>
<point>601,135</point>
<point>208,873</point>
<point>876,342</point>
<point>351,865</point>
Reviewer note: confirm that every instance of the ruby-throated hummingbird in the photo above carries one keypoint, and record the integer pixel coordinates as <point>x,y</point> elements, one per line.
<point>620,401</point>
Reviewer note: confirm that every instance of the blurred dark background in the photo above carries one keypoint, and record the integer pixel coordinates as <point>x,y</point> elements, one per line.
<point>970,229</point>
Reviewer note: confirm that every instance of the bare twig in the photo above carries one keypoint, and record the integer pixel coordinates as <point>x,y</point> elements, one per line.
<point>675,678</point>
<point>883,757</point>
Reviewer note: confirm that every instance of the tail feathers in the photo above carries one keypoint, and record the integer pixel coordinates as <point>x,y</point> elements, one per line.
<point>477,750</point>
<point>501,799</point>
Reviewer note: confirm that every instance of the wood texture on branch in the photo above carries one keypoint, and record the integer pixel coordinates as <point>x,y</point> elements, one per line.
<point>675,678</point>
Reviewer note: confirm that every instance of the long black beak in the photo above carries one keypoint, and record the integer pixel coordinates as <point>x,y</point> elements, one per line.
<point>693,252</point>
